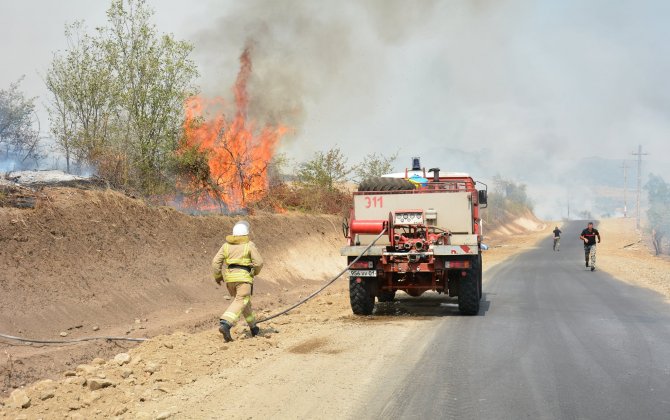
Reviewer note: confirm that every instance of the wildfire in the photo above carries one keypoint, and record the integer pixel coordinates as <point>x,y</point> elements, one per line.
<point>238,153</point>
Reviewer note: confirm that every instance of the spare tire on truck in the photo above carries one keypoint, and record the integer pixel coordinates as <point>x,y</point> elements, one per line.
<point>385,184</point>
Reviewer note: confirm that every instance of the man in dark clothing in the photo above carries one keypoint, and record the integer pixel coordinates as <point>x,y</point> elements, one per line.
<point>557,238</point>
<point>589,236</point>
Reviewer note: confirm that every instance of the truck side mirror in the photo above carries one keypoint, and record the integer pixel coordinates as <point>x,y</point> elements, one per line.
<point>482,197</point>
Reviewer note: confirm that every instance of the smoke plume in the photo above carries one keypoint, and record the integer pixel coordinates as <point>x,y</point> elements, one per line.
<point>545,93</point>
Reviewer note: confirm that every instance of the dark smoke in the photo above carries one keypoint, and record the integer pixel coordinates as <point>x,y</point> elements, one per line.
<point>302,51</point>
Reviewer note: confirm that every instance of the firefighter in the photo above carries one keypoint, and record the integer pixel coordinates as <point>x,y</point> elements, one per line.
<point>589,236</point>
<point>243,262</point>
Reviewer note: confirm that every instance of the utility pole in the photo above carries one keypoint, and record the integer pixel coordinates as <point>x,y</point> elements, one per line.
<point>625,188</point>
<point>639,155</point>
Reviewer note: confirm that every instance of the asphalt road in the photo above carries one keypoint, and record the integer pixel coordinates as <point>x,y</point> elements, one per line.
<point>553,340</point>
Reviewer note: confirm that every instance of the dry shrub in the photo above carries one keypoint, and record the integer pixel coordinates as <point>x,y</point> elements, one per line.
<point>113,167</point>
<point>306,199</point>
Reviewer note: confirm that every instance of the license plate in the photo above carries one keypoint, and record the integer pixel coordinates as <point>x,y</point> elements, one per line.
<point>363,273</point>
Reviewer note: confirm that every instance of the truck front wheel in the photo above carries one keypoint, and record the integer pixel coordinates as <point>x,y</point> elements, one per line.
<point>362,301</point>
<point>468,293</point>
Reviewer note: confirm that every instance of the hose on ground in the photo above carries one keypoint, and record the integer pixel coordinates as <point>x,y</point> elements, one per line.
<point>78,340</point>
<point>327,284</point>
<point>74,340</point>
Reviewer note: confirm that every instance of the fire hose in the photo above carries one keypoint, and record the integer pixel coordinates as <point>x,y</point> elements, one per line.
<point>75,340</point>
<point>328,283</point>
<point>285,311</point>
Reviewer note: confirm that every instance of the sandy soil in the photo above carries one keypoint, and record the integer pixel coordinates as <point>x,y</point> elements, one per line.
<point>626,253</point>
<point>318,350</point>
<point>98,263</point>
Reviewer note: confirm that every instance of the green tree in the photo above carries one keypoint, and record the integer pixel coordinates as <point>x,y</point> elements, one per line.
<point>325,170</point>
<point>154,74</point>
<point>506,198</point>
<point>277,169</point>
<point>19,139</point>
<point>374,165</point>
<point>659,210</point>
<point>83,108</point>
<point>118,96</point>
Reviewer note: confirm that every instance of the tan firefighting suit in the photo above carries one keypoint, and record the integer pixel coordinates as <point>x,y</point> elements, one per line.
<point>238,251</point>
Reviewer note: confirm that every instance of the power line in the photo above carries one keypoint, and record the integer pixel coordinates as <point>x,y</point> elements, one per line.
<point>639,155</point>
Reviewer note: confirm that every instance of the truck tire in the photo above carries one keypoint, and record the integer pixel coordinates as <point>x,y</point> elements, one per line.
<point>468,294</point>
<point>385,184</point>
<point>478,272</point>
<point>362,301</point>
<point>386,295</point>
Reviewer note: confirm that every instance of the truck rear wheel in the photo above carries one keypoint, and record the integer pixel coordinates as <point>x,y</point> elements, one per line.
<point>478,273</point>
<point>385,184</point>
<point>468,294</point>
<point>362,301</point>
<point>386,295</point>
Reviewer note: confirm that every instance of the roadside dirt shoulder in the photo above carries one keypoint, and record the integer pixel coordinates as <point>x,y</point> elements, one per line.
<point>625,254</point>
<point>87,263</point>
<point>506,242</point>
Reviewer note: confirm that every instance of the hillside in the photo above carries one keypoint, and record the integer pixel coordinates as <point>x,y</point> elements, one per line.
<point>90,262</point>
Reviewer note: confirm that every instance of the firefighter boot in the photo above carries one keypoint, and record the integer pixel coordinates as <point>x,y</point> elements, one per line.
<point>224,328</point>
<point>254,331</point>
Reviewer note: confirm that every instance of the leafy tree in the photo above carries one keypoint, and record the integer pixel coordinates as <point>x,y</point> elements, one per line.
<point>277,168</point>
<point>18,137</point>
<point>83,109</point>
<point>659,210</point>
<point>514,193</point>
<point>374,165</point>
<point>154,75</point>
<point>118,96</point>
<point>325,170</point>
<point>506,198</point>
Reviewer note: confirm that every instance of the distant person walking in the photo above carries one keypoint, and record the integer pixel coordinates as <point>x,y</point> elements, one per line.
<point>557,238</point>
<point>589,236</point>
<point>243,262</point>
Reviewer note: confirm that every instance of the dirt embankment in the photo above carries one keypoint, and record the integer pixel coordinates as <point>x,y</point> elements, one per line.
<point>98,263</point>
<point>514,224</point>
<point>85,259</point>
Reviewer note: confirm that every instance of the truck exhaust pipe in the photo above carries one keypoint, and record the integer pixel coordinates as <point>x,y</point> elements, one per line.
<point>436,174</point>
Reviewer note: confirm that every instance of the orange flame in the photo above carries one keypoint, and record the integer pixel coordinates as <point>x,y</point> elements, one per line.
<point>238,154</point>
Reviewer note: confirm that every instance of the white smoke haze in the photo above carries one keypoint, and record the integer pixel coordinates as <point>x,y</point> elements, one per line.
<point>554,94</point>
<point>519,88</point>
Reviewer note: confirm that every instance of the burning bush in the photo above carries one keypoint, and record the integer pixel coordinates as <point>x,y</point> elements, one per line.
<point>226,159</point>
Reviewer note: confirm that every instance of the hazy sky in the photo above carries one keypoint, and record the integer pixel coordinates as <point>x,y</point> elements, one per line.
<point>518,87</point>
